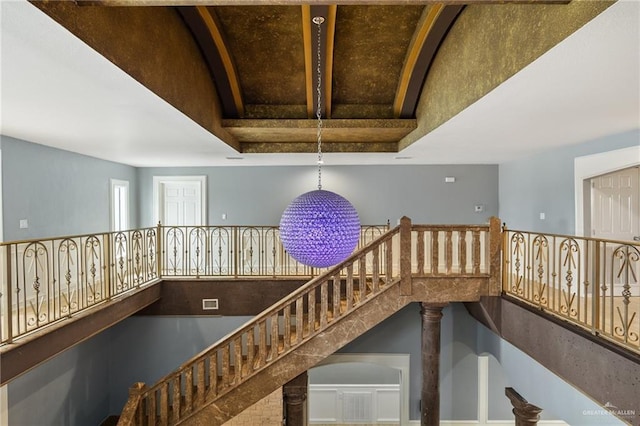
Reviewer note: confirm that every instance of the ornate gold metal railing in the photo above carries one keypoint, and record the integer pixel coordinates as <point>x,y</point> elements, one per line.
<point>47,280</point>
<point>390,260</point>
<point>590,282</point>
<point>235,251</point>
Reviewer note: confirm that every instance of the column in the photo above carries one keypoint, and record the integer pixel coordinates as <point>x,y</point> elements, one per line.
<point>526,414</point>
<point>294,395</point>
<point>431,316</point>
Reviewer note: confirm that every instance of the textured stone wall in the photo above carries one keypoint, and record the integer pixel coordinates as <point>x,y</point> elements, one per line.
<point>266,412</point>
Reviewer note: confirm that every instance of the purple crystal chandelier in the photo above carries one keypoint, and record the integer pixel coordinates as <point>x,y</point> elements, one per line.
<point>319,228</point>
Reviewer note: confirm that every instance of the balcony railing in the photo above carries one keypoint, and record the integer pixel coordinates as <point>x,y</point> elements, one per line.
<point>235,251</point>
<point>590,282</point>
<point>48,280</point>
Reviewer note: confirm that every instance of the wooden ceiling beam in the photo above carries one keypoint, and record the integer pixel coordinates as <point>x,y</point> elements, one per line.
<point>208,34</point>
<point>297,131</point>
<point>311,147</point>
<point>310,37</point>
<point>216,34</point>
<point>430,33</point>
<point>300,2</point>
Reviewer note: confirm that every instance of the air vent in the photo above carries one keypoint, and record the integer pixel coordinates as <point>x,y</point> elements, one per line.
<point>209,304</point>
<point>357,407</point>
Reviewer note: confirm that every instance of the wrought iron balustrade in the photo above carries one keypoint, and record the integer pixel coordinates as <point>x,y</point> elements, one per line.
<point>44,281</point>
<point>593,283</point>
<point>47,280</point>
<point>235,251</point>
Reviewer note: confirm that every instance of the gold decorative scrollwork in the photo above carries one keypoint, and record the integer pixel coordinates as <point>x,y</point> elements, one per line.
<point>518,250</point>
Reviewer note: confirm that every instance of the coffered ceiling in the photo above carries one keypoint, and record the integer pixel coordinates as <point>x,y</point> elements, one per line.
<point>246,72</point>
<point>265,60</point>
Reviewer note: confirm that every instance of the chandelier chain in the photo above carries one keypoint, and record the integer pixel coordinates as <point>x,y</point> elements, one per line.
<point>318,20</point>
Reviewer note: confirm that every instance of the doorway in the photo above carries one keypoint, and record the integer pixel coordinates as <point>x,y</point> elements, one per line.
<point>180,200</point>
<point>590,166</point>
<point>615,205</point>
<point>360,388</point>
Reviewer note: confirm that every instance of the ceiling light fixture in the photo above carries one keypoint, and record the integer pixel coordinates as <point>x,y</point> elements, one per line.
<point>319,228</point>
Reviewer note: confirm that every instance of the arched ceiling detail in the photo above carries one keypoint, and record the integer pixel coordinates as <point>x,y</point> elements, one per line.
<point>393,71</point>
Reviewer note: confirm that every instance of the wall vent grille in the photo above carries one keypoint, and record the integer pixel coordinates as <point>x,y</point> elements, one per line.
<point>209,304</point>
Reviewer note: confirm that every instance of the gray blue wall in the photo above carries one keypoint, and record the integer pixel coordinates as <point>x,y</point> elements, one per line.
<point>539,386</point>
<point>89,381</point>
<point>59,192</point>
<point>64,193</point>
<point>259,195</point>
<point>458,366</point>
<point>545,183</point>
<point>69,389</point>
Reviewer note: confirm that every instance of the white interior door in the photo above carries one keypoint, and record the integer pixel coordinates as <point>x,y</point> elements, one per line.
<point>180,201</point>
<point>615,212</point>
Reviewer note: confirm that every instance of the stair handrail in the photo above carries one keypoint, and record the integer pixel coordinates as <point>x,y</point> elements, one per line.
<point>234,339</point>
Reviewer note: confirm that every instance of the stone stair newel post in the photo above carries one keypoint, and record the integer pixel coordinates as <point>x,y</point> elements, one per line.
<point>526,414</point>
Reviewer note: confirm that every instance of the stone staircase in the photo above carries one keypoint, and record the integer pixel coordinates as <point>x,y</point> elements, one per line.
<point>233,398</point>
<point>308,325</point>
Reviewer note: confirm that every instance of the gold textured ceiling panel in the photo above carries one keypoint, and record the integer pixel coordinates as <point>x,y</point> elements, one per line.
<point>158,51</point>
<point>371,43</point>
<point>488,44</point>
<point>268,51</point>
<point>241,74</point>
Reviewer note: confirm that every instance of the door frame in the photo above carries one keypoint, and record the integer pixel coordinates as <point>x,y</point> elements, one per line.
<point>159,181</point>
<point>589,166</point>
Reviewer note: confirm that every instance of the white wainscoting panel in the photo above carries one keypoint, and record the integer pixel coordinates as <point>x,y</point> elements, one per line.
<point>338,404</point>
